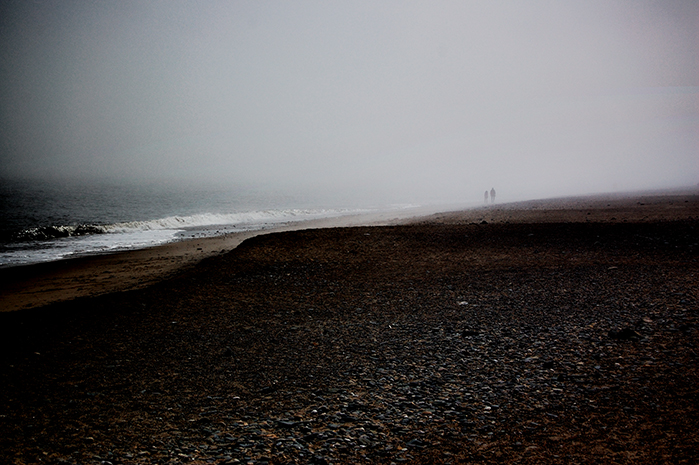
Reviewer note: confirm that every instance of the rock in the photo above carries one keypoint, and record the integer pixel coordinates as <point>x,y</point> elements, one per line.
<point>624,334</point>
<point>416,443</point>
<point>287,424</point>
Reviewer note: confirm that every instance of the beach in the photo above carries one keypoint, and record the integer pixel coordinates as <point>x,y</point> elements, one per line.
<point>551,331</point>
<point>41,284</point>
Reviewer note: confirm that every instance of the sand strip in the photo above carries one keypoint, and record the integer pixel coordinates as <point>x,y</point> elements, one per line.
<point>42,284</point>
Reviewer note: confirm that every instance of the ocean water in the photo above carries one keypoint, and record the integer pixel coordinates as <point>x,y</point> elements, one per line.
<point>46,221</point>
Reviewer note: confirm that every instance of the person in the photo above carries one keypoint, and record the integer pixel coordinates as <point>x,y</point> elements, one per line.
<point>485,197</point>
<point>492,195</point>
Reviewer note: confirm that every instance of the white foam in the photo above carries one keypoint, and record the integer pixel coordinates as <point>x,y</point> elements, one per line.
<point>141,234</point>
<point>242,219</point>
<point>69,247</point>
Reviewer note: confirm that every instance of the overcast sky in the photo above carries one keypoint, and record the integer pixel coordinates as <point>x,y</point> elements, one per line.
<point>447,98</point>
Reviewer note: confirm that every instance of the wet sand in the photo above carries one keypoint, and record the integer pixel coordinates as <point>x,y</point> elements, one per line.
<point>561,331</point>
<point>38,285</point>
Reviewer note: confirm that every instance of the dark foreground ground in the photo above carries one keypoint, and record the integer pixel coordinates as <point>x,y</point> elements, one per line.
<point>428,343</point>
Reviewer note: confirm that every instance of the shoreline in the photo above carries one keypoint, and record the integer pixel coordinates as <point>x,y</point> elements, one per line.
<point>40,284</point>
<point>37,285</point>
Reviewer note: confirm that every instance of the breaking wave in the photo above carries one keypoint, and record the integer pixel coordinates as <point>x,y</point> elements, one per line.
<point>46,233</point>
<point>241,219</point>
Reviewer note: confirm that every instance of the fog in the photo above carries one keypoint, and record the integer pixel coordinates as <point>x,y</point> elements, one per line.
<point>434,100</point>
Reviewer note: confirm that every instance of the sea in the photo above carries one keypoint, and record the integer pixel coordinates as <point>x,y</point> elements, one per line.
<point>43,221</point>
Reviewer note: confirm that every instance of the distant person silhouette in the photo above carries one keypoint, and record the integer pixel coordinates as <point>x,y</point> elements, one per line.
<point>492,195</point>
<point>485,197</point>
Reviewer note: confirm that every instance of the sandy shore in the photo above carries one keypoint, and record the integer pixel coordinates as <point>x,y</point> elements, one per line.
<point>563,331</point>
<point>42,284</point>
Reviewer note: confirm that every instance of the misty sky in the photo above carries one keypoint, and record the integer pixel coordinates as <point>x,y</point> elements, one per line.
<point>442,98</point>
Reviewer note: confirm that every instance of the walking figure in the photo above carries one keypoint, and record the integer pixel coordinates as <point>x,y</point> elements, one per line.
<point>485,197</point>
<point>492,195</point>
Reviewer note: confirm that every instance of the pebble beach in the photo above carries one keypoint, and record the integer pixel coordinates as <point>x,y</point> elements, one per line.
<point>558,331</point>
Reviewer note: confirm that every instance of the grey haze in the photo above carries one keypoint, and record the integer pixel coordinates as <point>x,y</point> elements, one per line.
<point>433,99</point>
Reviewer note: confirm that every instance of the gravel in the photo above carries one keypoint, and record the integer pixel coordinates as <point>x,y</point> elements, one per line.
<point>428,343</point>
